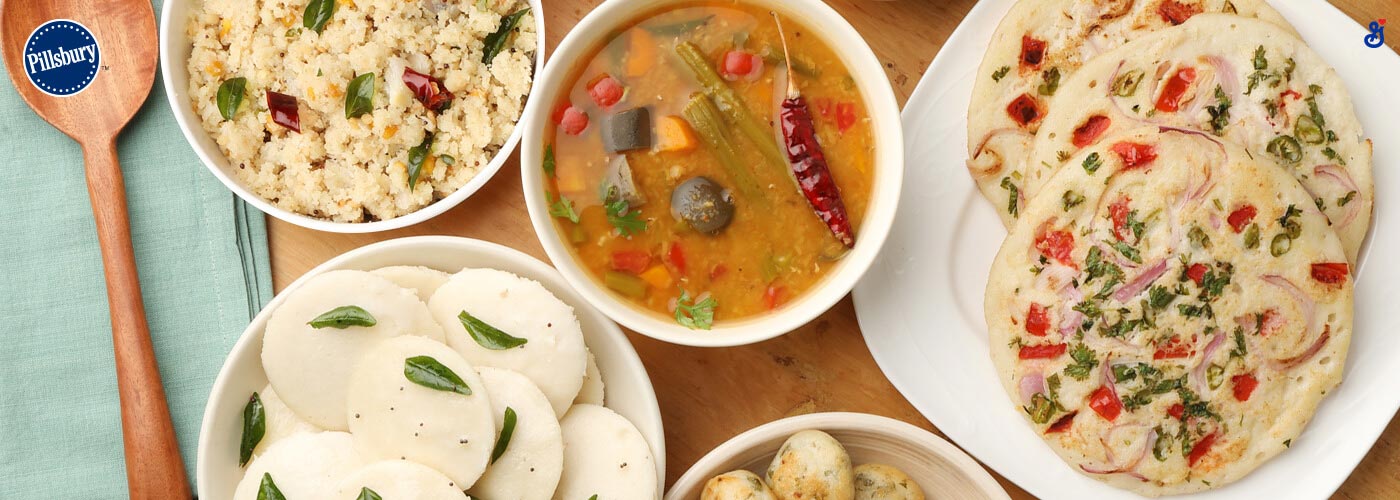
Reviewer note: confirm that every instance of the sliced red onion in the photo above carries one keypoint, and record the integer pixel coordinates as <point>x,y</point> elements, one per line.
<point>1214,221</point>
<point>1129,468</point>
<point>1140,283</point>
<point>1032,384</point>
<point>1198,374</point>
<point>1069,321</point>
<point>973,163</point>
<point>1305,302</point>
<point>1341,176</point>
<point>1227,77</point>
<point>1286,363</point>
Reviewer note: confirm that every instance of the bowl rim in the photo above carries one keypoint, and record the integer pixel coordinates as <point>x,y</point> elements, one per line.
<point>172,32</point>
<point>880,100</point>
<point>251,339</point>
<point>705,467</point>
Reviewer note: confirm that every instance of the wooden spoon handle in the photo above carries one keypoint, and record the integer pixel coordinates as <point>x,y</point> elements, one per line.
<point>153,465</point>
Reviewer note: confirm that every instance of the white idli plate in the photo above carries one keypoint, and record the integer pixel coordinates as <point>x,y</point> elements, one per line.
<point>920,306</point>
<point>629,388</point>
<point>941,469</point>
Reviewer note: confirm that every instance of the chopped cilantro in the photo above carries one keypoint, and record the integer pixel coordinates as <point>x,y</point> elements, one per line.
<point>1084,362</point>
<point>622,217</point>
<point>1342,202</point>
<point>1013,198</point>
<point>1092,163</point>
<point>695,315</point>
<point>1072,199</point>
<point>1000,73</point>
<point>562,207</point>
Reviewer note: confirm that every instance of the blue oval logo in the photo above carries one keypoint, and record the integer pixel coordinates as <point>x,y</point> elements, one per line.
<point>61,57</point>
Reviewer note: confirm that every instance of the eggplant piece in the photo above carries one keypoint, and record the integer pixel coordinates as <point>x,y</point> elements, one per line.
<point>618,183</point>
<point>703,204</point>
<point>627,130</point>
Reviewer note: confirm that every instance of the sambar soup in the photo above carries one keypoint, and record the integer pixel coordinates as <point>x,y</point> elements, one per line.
<point>701,172</point>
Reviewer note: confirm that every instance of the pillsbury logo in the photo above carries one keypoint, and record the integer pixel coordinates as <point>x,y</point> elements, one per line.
<point>61,57</point>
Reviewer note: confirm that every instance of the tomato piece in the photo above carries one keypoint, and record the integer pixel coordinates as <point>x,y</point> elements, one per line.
<point>717,271</point>
<point>284,110</point>
<point>1197,273</point>
<point>1200,449</point>
<point>676,256</point>
<point>1056,245</point>
<point>1290,93</point>
<point>1176,12</point>
<point>558,115</point>
<point>845,116</point>
<point>1244,386</point>
<point>1176,411</point>
<point>1024,110</point>
<point>1331,273</point>
<point>1105,403</point>
<point>1090,131</point>
<point>1118,211</point>
<point>1037,321</point>
<point>1063,424</point>
<point>1133,154</point>
<point>1270,321</point>
<point>1032,51</point>
<point>740,64</point>
<point>1175,348</point>
<point>1043,352</point>
<point>773,297</point>
<point>631,261</point>
<point>1175,89</point>
<point>1241,217</point>
<point>574,121</point>
<point>605,90</point>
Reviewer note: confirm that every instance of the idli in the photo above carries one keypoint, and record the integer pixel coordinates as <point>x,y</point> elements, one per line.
<point>604,455</point>
<point>529,452</point>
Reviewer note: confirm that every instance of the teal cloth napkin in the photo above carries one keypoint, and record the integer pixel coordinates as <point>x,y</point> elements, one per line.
<point>202,255</point>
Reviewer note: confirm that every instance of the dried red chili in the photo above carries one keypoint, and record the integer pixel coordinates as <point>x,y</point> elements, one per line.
<point>427,89</point>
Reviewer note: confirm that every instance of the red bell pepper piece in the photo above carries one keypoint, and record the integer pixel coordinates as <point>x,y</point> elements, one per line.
<point>1244,386</point>
<point>1200,449</point>
<point>1176,12</point>
<point>631,261</point>
<point>1105,403</point>
<point>1056,245</point>
<point>1170,99</point>
<point>1331,273</point>
<point>1090,131</point>
<point>1024,110</point>
<point>1044,351</point>
<point>1242,216</point>
<point>1133,154</point>
<point>1197,273</point>
<point>1032,52</point>
<point>1037,321</point>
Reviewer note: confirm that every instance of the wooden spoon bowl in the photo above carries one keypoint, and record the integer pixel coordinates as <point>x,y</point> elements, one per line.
<point>125,32</point>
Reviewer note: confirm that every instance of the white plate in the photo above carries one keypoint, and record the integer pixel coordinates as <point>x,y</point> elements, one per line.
<point>920,306</point>
<point>629,390</point>
<point>939,468</point>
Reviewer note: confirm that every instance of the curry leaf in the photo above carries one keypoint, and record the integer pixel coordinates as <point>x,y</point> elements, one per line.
<point>317,14</point>
<point>267,490</point>
<point>507,429</point>
<point>359,96</point>
<point>230,96</point>
<point>368,494</point>
<point>495,42</point>
<point>343,317</point>
<point>428,372</point>
<point>417,158</point>
<point>488,336</point>
<point>254,428</point>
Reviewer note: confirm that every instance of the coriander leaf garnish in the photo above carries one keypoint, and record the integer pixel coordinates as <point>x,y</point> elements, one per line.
<point>1092,163</point>
<point>562,207</point>
<point>359,96</point>
<point>1159,297</point>
<point>1084,362</point>
<point>1014,198</point>
<point>230,96</point>
<point>417,159</point>
<point>1071,199</point>
<point>428,372</point>
<point>267,490</point>
<point>254,428</point>
<point>1000,73</point>
<point>343,317</point>
<point>1127,251</point>
<point>368,494</point>
<point>317,14</point>
<point>1240,349</point>
<point>488,336</point>
<point>549,160</point>
<point>695,315</point>
<point>1342,202</point>
<point>622,217</point>
<point>495,42</point>
<point>507,429</point>
<point>1220,113</point>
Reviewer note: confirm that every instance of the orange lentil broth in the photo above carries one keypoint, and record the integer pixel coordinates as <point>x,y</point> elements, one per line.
<point>771,251</point>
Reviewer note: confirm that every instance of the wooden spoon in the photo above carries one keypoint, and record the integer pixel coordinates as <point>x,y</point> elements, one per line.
<point>125,31</point>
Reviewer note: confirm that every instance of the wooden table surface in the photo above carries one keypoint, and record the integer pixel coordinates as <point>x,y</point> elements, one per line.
<point>709,395</point>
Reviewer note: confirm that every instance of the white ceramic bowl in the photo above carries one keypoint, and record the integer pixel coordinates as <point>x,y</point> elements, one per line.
<point>175,50</point>
<point>629,390</point>
<point>889,172</point>
<point>941,469</point>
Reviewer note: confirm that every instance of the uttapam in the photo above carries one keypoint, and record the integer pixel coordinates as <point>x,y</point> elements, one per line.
<point>1038,45</point>
<point>495,318</point>
<point>314,338</point>
<point>1244,80</point>
<point>1170,311</point>
<point>413,398</point>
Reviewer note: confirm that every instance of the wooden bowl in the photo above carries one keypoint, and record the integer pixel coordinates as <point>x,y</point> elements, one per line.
<point>941,469</point>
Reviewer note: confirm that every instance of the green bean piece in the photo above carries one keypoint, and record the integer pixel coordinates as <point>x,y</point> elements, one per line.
<point>729,104</point>
<point>706,121</point>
